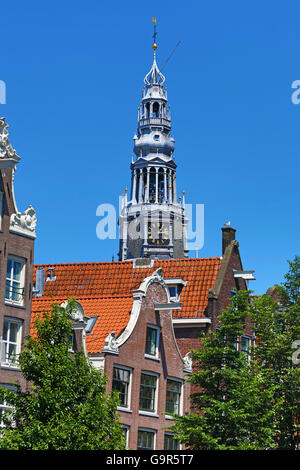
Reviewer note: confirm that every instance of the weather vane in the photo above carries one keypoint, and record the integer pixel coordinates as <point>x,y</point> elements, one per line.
<point>154,46</point>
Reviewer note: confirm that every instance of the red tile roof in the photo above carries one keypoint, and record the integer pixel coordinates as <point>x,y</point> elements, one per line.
<point>105,289</point>
<point>113,315</point>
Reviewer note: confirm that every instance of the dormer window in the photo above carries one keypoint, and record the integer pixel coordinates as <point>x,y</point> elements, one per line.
<point>156,137</point>
<point>175,287</point>
<point>90,324</point>
<point>174,293</point>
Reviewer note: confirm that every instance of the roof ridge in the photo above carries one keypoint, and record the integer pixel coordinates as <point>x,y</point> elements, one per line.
<point>82,297</point>
<point>80,263</point>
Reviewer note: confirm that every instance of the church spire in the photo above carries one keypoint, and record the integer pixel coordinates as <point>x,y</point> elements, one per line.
<point>153,206</point>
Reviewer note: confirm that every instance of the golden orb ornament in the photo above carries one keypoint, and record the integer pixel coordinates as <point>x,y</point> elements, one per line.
<point>154,46</point>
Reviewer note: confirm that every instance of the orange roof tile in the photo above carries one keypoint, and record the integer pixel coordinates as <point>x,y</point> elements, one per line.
<point>112,312</point>
<point>105,289</point>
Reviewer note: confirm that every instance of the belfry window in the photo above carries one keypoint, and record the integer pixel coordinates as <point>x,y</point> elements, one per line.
<point>152,188</point>
<point>148,110</point>
<point>161,186</point>
<point>155,112</point>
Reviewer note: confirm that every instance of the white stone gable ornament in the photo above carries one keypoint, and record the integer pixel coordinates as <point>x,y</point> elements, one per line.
<point>110,344</point>
<point>188,363</point>
<point>7,152</point>
<point>25,223</point>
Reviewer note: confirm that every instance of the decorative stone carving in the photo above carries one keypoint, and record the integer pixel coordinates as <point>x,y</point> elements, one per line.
<point>188,363</point>
<point>7,152</point>
<point>25,223</point>
<point>110,344</point>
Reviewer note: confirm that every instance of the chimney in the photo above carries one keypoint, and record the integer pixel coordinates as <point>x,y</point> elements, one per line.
<point>228,235</point>
<point>39,282</point>
<point>51,276</point>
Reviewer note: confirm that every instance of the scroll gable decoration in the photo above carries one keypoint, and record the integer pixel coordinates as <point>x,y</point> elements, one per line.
<point>25,223</point>
<point>7,152</point>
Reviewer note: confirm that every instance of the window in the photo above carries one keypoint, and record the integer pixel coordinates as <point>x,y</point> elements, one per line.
<point>170,443</point>
<point>173,292</point>
<point>4,407</point>
<point>125,428</point>
<point>15,280</point>
<point>152,341</point>
<point>121,383</point>
<point>90,324</point>
<point>173,396</point>
<point>245,345</point>
<point>148,392</point>
<point>11,341</point>
<point>146,439</point>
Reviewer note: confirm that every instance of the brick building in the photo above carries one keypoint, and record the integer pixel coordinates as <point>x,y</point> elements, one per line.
<point>17,235</point>
<point>138,319</point>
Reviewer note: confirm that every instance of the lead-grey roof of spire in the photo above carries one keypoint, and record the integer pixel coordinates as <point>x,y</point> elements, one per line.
<point>154,76</point>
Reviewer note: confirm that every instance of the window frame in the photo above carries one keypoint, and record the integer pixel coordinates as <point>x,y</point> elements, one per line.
<point>146,411</point>
<point>247,353</point>
<point>9,300</point>
<point>170,434</point>
<point>150,431</point>
<point>17,343</point>
<point>3,405</point>
<point>180,404</point>
<point>157,340</point>
<point>129,370</point>
<point>126,430</point>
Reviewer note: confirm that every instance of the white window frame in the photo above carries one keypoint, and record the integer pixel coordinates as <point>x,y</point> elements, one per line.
<point>148,412</point>
<point>126,428</point>
<point>150,430</point>
<point>19,322</point>
<point>249,346</point>
<point>176,297</point>
<point>4,406</point>
<point>176,379</point>
<point>171,434</point>
<point>21,261</point>
<point>156,355</point>
<point>128,369</point>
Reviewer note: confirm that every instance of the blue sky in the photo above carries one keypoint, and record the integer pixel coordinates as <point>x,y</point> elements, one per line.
<point>74,73</point>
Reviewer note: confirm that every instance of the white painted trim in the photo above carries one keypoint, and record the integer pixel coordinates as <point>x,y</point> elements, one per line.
<point>97,362</point>
<point>168,306</point>
<point>175,281</point>
<point>190,322</point>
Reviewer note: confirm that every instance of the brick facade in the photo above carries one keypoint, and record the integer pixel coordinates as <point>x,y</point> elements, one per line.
<point>169,364</point>
<point>20,247</point>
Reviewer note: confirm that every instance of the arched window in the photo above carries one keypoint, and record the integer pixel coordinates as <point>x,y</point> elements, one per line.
<point>152,185</point>
<point>147,110</point>
<point>161,186</point>
<point>155,112</point>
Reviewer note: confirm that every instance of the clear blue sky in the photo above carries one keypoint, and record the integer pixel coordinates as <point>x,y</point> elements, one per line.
<point>74,72</point>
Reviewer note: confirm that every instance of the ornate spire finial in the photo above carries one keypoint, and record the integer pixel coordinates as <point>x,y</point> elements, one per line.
<point>154,77</point>
<point>154,45</point>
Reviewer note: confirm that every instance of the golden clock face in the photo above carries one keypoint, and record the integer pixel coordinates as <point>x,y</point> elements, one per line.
<point>158,233</point>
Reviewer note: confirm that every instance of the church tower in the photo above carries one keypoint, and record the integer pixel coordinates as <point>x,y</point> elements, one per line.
<point>152,221</point>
